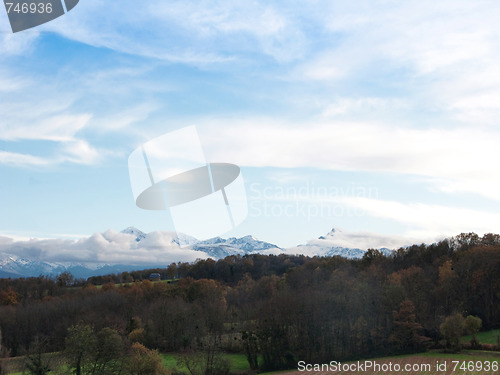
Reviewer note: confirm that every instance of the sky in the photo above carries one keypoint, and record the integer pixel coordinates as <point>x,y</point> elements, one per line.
<point>379,118</point>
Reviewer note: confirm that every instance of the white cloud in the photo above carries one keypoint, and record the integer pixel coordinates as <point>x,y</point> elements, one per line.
<point>367,240</point>
<point>428,220</point>
<point>465,158</point>
<point>109,247</point>
<point>365,105</point>
<point>20,160</point>
<point>58,127</point>
<point>34,112</point>
<point>422,35</point>
<point>441,57</point>
<point>80,152</point>
<point>14,44</point>
<point>190,32</point>
<point>10,83</point>
<point>123,120</point>
<point>73,151</point>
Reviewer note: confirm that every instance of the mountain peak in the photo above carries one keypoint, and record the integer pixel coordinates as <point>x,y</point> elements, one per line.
<point>249,237</point>
<point>130,230</point>
<point>139,235</point>
<point>329,235</point>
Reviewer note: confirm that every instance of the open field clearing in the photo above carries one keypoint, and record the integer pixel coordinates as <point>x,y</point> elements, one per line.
<point>488,337</point>
<point>432,363</point>
<point>237,363</point>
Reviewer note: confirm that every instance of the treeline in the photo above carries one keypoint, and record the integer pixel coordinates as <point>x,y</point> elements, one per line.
<point>229,270</point>
<point>275,309</point>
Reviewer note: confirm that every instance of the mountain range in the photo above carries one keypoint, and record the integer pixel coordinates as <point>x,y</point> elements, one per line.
<point>329,245</point>
<point>12,265</point>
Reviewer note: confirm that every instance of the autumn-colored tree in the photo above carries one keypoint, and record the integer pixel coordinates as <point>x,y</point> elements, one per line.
<point>108,286</point>
<point>65,279</point>
<point>136,330</point>
<point>405,336</point>
<point>144,361</point>
<point>9,297</point>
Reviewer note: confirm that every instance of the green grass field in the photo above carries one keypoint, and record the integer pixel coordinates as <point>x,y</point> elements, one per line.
<point>237,362</point>
<point>489,337</point>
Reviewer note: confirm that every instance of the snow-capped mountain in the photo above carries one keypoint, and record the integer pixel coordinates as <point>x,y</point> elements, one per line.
<point>220,248</point>
<point>138,234</point>
<point>15,266</point>
<point>335,242</point>
<point>147,250</point>
<point>216,247</point>
<point>176,239</point>
<point>131,249</point>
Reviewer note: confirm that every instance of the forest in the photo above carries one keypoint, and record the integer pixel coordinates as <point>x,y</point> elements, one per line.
<point>277,310</point>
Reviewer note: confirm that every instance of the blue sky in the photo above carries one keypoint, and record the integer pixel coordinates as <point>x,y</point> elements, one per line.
<point>376,117</point>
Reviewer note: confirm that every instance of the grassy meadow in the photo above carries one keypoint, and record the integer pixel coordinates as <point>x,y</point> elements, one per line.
<point>239,364</point>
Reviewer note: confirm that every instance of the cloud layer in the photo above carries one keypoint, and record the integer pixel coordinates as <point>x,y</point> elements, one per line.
<point>110,247</point>
<point>113,247</point>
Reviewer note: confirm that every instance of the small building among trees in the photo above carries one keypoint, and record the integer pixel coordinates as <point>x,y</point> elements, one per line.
<point>155,277</point>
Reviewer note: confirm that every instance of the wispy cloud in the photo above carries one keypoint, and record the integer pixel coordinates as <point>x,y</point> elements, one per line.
<point>188,32</point>
<point>441,57</point>
<point>428,220</point>
<point>21,160</point>
<point>14,44</point>
<point>41,110</point>
<point>58,127</point>
<point>465,157</point>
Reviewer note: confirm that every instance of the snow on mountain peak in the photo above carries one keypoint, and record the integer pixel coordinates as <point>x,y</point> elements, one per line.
<point>138,234</point>
<point>330,234</point>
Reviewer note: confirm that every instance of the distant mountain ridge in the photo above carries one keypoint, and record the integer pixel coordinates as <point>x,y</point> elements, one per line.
<point>328,245</point>
<point>14,266</point>
<point>217,248</point>
<point>220,248</point>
